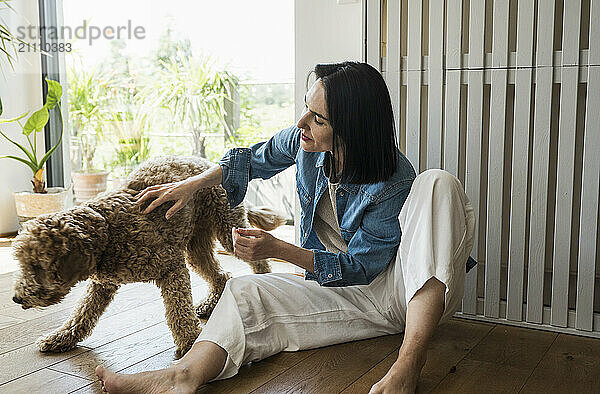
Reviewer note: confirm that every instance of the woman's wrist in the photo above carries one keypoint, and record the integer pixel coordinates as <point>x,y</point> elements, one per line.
<point>198,182</point>
<point>296,255</point>
<point>209,178</point>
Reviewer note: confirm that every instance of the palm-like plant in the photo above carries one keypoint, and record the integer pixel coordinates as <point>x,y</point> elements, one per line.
<point>195,92</point>
<point>131,125</point>
<point>7,40</point>
<point>87,100</point>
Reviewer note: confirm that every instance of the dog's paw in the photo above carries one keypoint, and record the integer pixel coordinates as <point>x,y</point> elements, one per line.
<point>205,308</point>
<point>56,342</point>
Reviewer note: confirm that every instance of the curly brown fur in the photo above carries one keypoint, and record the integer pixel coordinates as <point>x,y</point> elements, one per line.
<point>109,241</point>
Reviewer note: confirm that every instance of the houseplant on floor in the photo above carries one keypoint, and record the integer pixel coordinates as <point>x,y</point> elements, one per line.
<point>42,200</point>
<point>86,102</point>
<point>129,122</point>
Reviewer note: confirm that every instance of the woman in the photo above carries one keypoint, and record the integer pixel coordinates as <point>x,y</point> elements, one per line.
<point>360,204</point>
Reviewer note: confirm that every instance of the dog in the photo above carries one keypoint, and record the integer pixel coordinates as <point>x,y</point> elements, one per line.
<point>109,241</point>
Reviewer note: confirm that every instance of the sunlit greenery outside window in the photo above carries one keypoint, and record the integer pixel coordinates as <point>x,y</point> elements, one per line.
<point>126,109</point>
<point>174,99</point>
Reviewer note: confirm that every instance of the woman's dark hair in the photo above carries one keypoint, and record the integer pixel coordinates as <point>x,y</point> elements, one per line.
<point>360,113</point>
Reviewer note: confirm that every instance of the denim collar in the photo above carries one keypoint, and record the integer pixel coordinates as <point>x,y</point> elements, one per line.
<point>321,160</point>
<point>351,187</point>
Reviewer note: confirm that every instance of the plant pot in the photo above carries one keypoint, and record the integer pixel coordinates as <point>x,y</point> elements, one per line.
<point>30,205</point>
<point>88,185</point>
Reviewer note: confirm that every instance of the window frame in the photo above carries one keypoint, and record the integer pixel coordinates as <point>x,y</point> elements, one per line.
<point>53,67</point>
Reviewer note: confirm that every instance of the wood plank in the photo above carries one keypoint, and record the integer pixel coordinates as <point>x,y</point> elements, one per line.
<point>249,377</point>
<point>540,161</point>
<point>119,354</point>
<point>453,90</point>
<point>520,160</point>
<point>44,381</point>
<point>588,229</point>
<point>333,368</point>
<point>109,330</point>
<point>252,376</point>
<point>435,109</point>
<point>7,321</point>
<point>449,344</point>
<point>123,321</point>
<point>571,365</point>
<point>472,376</point>
<point>126,323</point>
<point>495,184</point>
<point>516,347</point>
<point>565,165</point>
<point>7,238</point>
<point>374,375</point>
<point>413,89</point>
<point>29,359</point>
<point>8,264</point>
<point>159,361</point>
<point>90,388</point>
<point>473,138</point>
<point>26,333</point>
<point>6,281</point>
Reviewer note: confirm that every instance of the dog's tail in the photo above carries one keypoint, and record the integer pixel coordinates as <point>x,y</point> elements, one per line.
<point>264,218</point>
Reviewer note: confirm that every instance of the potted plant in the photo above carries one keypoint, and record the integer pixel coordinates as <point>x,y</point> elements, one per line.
<point>130,130</point>
<point>196,93</point>
<point>9,44</point>
<point>42,200</point>
<point>86,100</point>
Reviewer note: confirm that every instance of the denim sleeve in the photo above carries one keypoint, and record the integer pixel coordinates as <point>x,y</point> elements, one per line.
<point>261,160</point>
<point>372,247</point>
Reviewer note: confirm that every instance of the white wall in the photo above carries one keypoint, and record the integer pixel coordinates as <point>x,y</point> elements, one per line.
<point>20,91</point>
<point>325,32</point>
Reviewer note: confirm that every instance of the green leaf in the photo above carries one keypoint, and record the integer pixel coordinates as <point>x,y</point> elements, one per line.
<point>36,121</point>
<point>30,165</point>
<point>54,93</point>
<point>29,155</point>
<point>47,155</point>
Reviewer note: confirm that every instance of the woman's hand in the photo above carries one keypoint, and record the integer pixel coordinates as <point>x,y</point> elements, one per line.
<point>181,192</point>
<point>253,244</point>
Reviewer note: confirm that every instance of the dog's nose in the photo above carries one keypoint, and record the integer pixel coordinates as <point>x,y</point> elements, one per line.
<point>17,300</point>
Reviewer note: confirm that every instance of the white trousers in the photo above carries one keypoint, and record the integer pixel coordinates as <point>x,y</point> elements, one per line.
<point>261,315</point>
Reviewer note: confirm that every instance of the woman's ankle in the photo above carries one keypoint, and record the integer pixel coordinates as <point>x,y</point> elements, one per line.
<point>183,375</point>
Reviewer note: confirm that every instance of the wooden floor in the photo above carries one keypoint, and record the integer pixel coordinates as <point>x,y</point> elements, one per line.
<point>464,357</point>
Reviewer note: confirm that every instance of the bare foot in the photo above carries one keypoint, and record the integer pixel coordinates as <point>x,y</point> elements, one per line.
<point>170,380</point>
<point>402,377</point>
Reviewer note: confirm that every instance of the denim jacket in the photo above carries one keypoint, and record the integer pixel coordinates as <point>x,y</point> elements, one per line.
<point>367,214</point>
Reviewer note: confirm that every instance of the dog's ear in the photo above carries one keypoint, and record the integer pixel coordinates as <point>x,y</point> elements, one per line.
<point>73,267</point>
<point>40,274</point>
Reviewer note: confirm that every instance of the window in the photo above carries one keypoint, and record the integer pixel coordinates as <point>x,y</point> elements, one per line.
<point>149,78</point>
